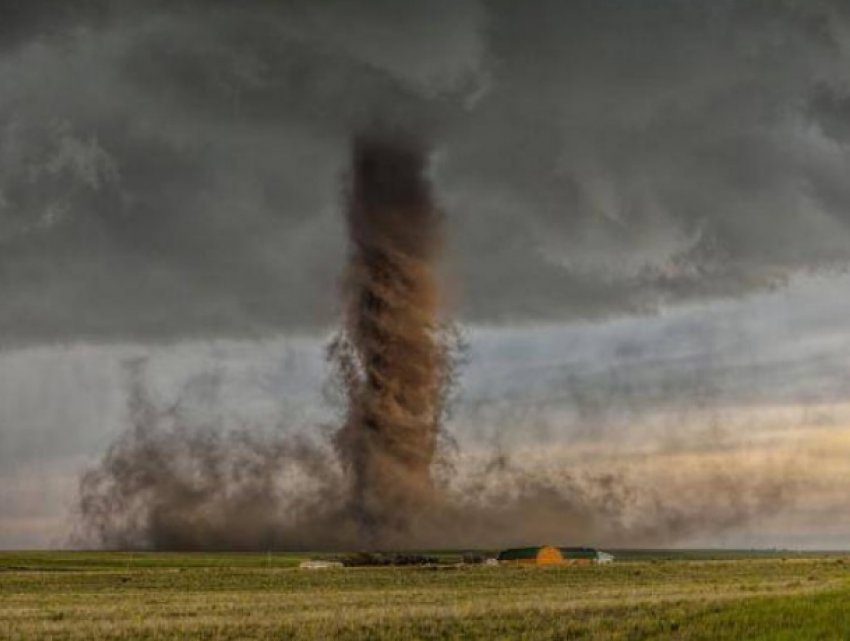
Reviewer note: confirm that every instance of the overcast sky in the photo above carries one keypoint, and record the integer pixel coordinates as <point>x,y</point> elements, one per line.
<point>647,211</point>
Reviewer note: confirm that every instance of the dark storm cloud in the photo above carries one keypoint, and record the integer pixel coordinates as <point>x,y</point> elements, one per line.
<point>174,168</point>
<point>654,151</point>
<point>25,20</point>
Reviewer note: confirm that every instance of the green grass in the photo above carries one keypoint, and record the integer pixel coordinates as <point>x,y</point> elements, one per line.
<point>66,595</point>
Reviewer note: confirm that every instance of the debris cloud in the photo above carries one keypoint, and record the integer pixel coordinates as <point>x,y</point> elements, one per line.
<point>169,483</point>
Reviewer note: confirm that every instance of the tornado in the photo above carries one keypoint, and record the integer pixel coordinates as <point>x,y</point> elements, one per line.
<point>167,483</point>
<point>391,352</point>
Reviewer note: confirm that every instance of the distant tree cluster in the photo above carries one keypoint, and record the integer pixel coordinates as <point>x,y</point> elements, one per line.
<point>362,559</point>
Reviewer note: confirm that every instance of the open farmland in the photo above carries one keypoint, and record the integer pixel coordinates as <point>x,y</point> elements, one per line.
<point>243,596</point>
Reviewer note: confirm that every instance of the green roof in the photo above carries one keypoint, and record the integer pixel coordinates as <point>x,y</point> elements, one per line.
<point>515,554</point>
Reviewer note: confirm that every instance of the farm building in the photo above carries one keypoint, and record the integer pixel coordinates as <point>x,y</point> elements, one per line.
<point>549,555</point>
<point>585,556</point>
<point>544,555</point>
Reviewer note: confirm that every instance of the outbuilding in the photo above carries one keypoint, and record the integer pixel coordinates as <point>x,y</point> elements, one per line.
<point>585,556</point>
<point>319,565</point>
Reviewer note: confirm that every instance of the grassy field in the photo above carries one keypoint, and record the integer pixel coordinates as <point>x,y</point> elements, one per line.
<point>644,595</point>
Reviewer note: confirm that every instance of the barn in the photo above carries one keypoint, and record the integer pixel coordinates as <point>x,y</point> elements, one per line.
<point>543,555</point>
<point>550,555</point>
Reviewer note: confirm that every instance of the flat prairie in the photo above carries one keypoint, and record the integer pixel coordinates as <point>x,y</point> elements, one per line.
<point>648,595</point>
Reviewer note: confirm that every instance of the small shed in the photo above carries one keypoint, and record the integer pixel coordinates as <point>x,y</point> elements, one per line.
<point>603,558</point>
<point>319,565</point>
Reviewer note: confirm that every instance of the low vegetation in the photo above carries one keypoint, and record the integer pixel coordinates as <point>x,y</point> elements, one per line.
<point>266,596</point>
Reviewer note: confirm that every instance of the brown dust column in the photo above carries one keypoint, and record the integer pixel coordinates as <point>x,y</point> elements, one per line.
<point>390,353</point>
